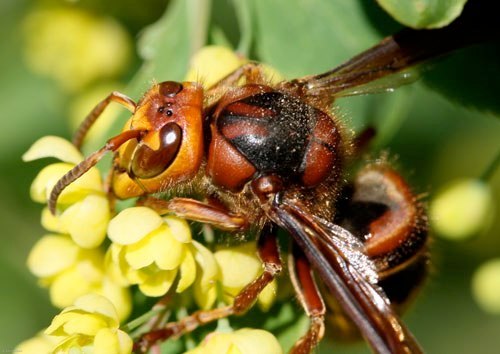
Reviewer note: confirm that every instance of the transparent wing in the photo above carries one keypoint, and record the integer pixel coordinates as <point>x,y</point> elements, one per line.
<point>393,62</point>
<point>349,275</point>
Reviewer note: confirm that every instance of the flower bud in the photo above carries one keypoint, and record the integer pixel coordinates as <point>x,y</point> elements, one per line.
<point>462,209</point>
<point>83,207</point>
<point>74,47</point>
<point>239,266</point>
<point>486,286</point>
<point>90,326</point>
<point>243,341</point>
<point>151,251</point>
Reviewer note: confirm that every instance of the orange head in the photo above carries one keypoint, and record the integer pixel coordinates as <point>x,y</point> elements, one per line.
<point>171,148</point>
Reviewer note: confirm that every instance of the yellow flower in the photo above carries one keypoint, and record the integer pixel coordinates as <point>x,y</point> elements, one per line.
<point>84,207</point>
<point>74,47</point>
<point>243,341</point>
<point>212,63</point>
<point>462,209</point>
<point>40,344</point>
<point>239,266</point>
<point>70,272</point>
<point>150,251</point>
<point>90,326</point>
<point>486,286</point>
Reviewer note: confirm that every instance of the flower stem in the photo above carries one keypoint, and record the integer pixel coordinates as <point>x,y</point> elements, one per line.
<point>243,13</point>
<point>198,18</point>
<point>128,327</point>
<point>490,170</point>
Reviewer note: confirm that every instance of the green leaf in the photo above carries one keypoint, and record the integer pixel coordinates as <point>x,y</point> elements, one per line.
<point>305,37</point>
<point>423,13</point>
<point>243,11</point>
<point>172,346</point>
<point>469,77</point>
<point>166,47</point>
<point>314,36</point>
<point>288,324</point>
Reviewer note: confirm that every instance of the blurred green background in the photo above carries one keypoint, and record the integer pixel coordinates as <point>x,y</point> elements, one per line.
<point>435,139</point>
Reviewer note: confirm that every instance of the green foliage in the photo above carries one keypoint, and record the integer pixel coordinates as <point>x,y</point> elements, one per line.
<point>424,13</point>
<point>436,140</point>
<point>469,77</point>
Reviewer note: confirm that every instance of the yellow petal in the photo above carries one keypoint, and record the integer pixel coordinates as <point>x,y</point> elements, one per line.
<point>207,263</point>
<point>166,250</point>
<point>98,304</point>
<point>239,265</point>
<point>42,343</point>
<point>52,222</point>
<point>86,324</point>
<point>233,349</point>
<point>90,182</point>
<point>116,252</point>
<point>119,296</point>
<point>53,146</point>
<point>87,220</point>
<point>68,286</point>
<point>133,224</point>
<point>90,264</point>
<point>266,298</point>
<point>212,63</point>
<point>125,342</point>
<point>231,263</point>
<point>56,326</point>
<point>135,276</point>
<point>243,341</point>
<point>218,343</point>
<point>256,341</point>
<point>188,272</point>
<point>205,291</point>
<point>51,255</point>
<point>179,228</point>
<point>110,342</point>
<point>159,283</point>
<point>72,345</point>
<point>42,186</point>
<point>106,342</point>
<point>140,254</point>
<point>272,75</point>
<point>204,296</point>
<point>115,265</point>
<point>229,294</point>
<point>46,179</point>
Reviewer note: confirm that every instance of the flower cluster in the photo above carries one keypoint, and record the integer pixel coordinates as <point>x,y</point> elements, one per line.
<point>83,206</point>
<point>151,251</point>
<point>146,249</point>
<point>462,209</point>
<point>71,271</point>
<point>73,46</point>
<point>92,258</point>
<point>91,325</point>
<point>70,260</point>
